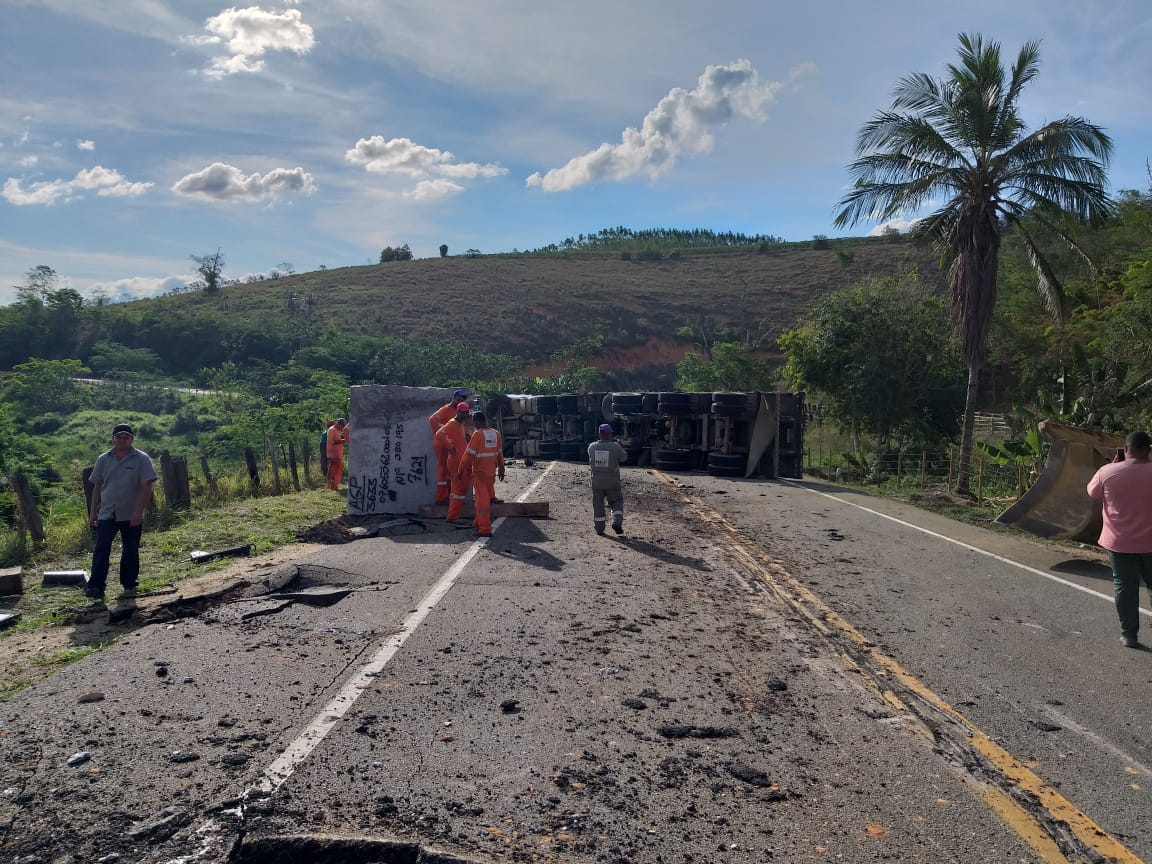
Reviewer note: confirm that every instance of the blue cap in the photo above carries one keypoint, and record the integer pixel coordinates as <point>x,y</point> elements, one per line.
<point>605,429</point>
<point>459,394</point>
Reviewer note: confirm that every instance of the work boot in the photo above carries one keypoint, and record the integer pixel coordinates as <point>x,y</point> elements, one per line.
<point>1130,641</point>
<point>619,529</point>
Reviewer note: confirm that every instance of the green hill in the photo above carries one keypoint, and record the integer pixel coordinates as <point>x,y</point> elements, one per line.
<point>532,305</point>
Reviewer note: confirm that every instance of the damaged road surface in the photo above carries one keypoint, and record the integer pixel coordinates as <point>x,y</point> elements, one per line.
<point>544,695</point>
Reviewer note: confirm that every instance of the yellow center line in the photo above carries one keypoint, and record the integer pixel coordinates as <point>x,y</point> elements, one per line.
<point>799,598</point>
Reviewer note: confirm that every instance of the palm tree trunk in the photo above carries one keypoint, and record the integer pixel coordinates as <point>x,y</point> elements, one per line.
<point>964,469</point>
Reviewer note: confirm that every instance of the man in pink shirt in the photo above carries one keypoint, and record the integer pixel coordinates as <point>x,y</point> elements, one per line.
<point>1125,487</point>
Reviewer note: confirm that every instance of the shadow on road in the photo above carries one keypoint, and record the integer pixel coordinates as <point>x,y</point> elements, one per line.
<point>662,554</point>
<point>517,541</point>
<point>1081,567</point>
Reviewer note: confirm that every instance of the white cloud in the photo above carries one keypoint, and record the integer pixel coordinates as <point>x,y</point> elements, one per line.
<point>427,164</point>
<point>433,190</point>
<point>136,287</point>
<point>901,225</point>
<point>682,122</point>
<point>106,182</point>
<point>250,32</point>
<point>28,161</point>
<point>84,144</point>
<point>220,182</point>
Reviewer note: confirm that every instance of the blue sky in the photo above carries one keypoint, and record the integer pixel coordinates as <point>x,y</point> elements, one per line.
<point>135,133</point>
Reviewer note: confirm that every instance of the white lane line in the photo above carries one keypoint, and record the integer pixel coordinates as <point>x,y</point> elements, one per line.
<point>1050,576</point>
<point>315,732</point>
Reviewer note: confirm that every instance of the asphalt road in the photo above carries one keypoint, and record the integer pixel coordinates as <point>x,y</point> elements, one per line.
<point>689,692</point>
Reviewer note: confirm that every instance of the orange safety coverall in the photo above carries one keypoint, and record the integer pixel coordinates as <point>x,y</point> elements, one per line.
<point>484,457</point>
<point>337,438</point>
<point>449,445</point>
<point>443,475</point>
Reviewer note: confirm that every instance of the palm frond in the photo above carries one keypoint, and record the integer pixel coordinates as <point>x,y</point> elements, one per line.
<point>1051,291</point>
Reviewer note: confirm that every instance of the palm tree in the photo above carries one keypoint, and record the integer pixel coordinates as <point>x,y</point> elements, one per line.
<point>960,139</point>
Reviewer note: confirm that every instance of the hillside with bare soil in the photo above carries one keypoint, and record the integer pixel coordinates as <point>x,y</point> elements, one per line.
<point>532,305</point>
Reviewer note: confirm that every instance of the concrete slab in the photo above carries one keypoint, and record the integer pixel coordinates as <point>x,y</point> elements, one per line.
<point>11,581</point>
<point>65,578</point>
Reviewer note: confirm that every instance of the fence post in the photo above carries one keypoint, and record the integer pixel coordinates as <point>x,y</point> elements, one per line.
<point>899,466</point>
<point>26,504</point>
<point>949,467</point>
<point>208,478</point>
<point>923,470</point>
<point>980,479</point>
<point>292,465</point>
<point>253,471</point>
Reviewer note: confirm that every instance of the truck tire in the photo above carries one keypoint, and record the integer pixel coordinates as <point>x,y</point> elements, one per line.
<point>568,403</point>
<point>727,465</point>
<point>700,403</point>
<point>675,403</point>
<point>674,460</point>
<point>721,409</point>
<point>627,403</point>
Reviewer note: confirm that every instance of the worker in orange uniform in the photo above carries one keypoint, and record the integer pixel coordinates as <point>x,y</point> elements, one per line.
<point>337,438</point>
<point>484,459</point>
<point>442,415</point>
<point>451,440</point>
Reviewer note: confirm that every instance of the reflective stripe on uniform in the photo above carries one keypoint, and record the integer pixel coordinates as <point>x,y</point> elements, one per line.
<point>483,455</point>
<point>471,451</point>
<point>460,497</point>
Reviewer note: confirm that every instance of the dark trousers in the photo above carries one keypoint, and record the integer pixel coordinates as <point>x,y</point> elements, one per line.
<point>106,531</point>
<point>1128,570</point>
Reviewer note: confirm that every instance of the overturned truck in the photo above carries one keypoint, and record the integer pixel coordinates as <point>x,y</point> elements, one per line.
<point>727,434</point>
<point>1058,505</point>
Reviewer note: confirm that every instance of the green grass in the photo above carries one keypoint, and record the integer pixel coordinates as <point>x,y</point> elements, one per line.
<point>267,523</point>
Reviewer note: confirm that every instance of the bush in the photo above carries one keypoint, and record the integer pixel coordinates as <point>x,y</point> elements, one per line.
<point>46,424</point>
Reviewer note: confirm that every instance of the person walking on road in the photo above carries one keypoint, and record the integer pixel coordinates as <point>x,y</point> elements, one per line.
<point>337,438</point>
<point>451,440</point>
<point>441,416</point>
<point>484,460</point>
<point>1125,487</point>
<point>604,458</point>
<point>121,488</point>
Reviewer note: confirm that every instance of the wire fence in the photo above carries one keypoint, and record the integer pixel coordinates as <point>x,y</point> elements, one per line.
<point>924,471</point>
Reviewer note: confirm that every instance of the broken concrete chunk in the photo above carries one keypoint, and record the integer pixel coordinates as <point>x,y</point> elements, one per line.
<point>7,619</point>
<point>89,698</point>
<point>65,578</point>
<point>11,581</point>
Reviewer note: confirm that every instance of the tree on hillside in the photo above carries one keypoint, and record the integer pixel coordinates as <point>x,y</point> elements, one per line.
<point>41,386</point>
<point>400,253</point>
<point>881,359</point>
<point>730,366</point>
<point>961,139</point>
<point>38,283</point>
<point>211,270</point>
<point>443,250</point>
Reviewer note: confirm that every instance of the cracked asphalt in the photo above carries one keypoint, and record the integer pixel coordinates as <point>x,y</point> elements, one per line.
<point>565,698</point>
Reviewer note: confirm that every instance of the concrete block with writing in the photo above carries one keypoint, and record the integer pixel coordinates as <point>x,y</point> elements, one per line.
<point>11,581</point>
<point>391,466</point>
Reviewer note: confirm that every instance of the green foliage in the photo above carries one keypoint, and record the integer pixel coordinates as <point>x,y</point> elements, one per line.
<point>398,253</point>
<point>732,367</point>
<point>653,243</point>
<point>882,360</point>
<point>113,360</point>
<point>42,386</point>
